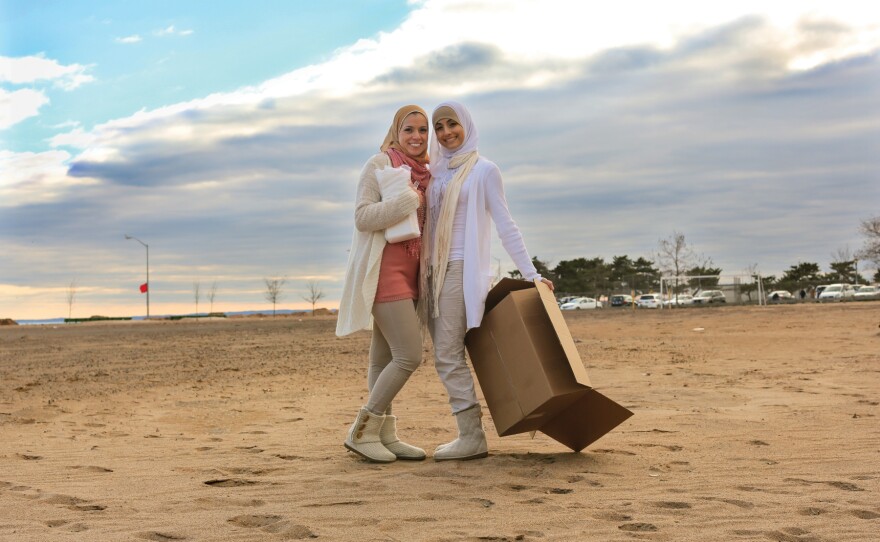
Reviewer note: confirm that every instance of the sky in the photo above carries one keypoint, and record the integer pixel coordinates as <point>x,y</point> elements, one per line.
<point>229,136</point>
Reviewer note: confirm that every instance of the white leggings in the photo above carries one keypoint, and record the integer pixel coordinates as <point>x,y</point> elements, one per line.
<point>447,333</point>
<point>395,352</point>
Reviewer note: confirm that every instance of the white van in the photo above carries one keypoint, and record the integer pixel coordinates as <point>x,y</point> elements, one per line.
<point>837,292</point>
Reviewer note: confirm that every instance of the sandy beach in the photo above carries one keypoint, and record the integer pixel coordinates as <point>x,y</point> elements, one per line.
<point>751,423</point>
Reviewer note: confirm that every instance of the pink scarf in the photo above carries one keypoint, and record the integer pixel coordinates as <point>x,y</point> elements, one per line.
<point>420,176</point>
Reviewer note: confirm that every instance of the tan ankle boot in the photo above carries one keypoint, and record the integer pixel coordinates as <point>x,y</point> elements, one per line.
<point>402,450</point>
<point>471,442</point>
<point>363,437</point>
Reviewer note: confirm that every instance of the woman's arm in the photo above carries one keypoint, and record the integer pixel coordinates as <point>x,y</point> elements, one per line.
<point>371,213</point>
<point>508,231</point>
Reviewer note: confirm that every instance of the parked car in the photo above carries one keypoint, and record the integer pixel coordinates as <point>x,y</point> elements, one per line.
<point>621,300</point>
<point>820,289</point>
<point>649,301</point>
<point>581,303</point>
<point>837,292</point>
<point>709,296</point>
<point>680,299</point>
<point>867,292</point>
<point>563,300</point>
<point>779,295</point>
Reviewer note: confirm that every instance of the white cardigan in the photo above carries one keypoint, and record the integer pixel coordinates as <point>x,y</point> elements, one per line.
<point>485,203</point>
<point>371,217</point>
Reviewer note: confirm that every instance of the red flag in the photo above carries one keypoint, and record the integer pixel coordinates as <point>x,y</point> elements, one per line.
<point>144,288</point>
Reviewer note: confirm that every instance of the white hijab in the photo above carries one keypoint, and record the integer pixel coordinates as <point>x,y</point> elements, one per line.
<point>441,156</point>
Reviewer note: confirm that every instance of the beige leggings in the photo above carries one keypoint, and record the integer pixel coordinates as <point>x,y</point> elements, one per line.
<point>395,352</point>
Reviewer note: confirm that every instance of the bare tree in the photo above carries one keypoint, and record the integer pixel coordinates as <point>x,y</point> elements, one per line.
<point>842,254</point>
<point>71,294</point>
<point>870,228</point>
<point>212,293</point>
<point>844,265</point>
<point>197,291</point>
<point>273,291</point>
<point>674,256</point>
<point>314,294</point>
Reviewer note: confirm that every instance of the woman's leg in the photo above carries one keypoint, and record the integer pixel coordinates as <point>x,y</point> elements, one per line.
<point>380,357</point>
<point>447,332</point>
<point>395,352</point>
<point>399,326</point>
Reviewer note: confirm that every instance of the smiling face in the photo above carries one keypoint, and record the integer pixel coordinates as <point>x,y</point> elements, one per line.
<point>413,135</point>
<point>450,134</point>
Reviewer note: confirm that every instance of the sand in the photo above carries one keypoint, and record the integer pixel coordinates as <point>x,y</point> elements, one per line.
<point>751,423</point>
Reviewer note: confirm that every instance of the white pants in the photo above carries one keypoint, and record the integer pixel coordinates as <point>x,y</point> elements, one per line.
<point>447,333</point>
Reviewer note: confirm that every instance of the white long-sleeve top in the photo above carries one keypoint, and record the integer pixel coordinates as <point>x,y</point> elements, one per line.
<point>485,202</point>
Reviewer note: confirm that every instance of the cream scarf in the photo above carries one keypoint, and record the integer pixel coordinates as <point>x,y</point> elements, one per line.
<point>443,232</point>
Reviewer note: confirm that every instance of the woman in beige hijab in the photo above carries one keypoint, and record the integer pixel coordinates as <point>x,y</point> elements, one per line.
<point>382,286</point>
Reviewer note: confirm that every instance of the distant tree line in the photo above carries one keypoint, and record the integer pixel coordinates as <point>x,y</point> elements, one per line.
<point>596,277</point>
<point>674,257</point>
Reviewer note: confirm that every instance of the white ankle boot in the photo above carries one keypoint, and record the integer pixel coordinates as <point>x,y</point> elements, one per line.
<point>363,437</point>
<point>401,450</point>
<point>471,442</point>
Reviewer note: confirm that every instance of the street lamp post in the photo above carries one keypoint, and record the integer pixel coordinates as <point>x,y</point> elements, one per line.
<point>146,246</point>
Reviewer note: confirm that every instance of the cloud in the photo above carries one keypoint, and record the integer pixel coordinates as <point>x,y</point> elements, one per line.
<point>172,31</point>
<point>28,178</point>
<point>130,39</point>
<point>34,68</point>
<point>19,105</point>
<point>77,138</point>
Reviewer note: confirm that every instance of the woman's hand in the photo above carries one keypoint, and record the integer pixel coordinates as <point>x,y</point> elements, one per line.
<point>549,283</point>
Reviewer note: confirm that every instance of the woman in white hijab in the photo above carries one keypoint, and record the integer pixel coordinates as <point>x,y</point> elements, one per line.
<point>465,195</point>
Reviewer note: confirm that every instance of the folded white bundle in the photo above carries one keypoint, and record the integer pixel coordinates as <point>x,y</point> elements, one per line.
<point>393,181</point>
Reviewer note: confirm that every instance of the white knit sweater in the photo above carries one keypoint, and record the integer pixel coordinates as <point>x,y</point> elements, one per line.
<point>371,217</point>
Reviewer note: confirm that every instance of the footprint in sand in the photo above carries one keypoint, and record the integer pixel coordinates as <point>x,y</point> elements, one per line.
<point>70,527</point>
<point>559,491</point>
<point>735,502</point>
<point>788,534</point>
<point>865,514</point>
<point>231,482</point>
<point>160,537</point>
<point>287,457</point>
<point>611,451</point>
<point>253,521</point>
<point>29,457</point>
<point>613,516</point>
<point>91,469</point>
<point>846,486</point>
<point>638,527</point>
<point>250,449</point>
<point>672,505</point>
<point>73,503</point>
<point>273,524</point>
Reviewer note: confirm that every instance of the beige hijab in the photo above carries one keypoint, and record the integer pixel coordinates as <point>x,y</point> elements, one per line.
<point>392,141</point>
